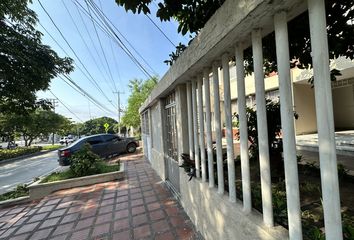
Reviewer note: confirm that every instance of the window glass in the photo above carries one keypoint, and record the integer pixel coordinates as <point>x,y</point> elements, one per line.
<point>109,138</point>
<point>95,140</point>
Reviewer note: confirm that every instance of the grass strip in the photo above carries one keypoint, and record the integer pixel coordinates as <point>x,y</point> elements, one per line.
<point>20,191</point>
<point>68,174</point>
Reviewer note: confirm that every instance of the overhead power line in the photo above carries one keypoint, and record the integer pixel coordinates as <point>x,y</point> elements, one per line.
<point>160,30</point>
<point>111,33</point>
<point>78,58</point>
<point>104,54</point>
<point>90,37</point>
<point>67,108</point>
<point>84,41</point>
<point>110,24</point>
<point>74,85</point>
<point>108,31</point>
<point>85,94</point>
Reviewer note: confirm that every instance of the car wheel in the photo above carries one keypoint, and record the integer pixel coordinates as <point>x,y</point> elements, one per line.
<point>131,148</point>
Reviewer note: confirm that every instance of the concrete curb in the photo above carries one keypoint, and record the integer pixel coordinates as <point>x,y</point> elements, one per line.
<point>26,156</point>
<point>16,201</point>
<point>341,150</point>
<point>39,190</point>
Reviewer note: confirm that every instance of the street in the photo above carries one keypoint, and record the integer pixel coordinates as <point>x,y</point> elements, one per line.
<point>24,171</point>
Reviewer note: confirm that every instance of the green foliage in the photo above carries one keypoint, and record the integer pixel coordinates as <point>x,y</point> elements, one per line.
<point>308,187</point>
<point>26,65</point>
<point>51,147</point>
<point>20,191</point>
<point>274,126</point>
<point>192,15</point>
<point>279,203</point>
<point>342,171</point>
<point>348,227</point>
<point>17,152</point>
<point>315,234</point>
<point>32,125</point>
<point>140,90</point>
<point>95,126</point>
<point>100,167</point>
<point>174,55</point>
<point>58,176</point>
<point>84,161</point>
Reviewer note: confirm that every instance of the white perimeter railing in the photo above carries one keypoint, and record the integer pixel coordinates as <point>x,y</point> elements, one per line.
<point>237,25</point>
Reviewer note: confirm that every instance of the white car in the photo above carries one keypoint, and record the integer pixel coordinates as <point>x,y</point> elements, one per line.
<point>65,140</point>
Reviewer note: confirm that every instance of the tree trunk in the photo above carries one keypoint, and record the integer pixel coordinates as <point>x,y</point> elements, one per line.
<point>30,141</point>
<point>26,140</point>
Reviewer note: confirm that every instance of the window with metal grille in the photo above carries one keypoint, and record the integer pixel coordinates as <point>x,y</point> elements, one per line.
<point>145,123</point>
<point>170,126</point>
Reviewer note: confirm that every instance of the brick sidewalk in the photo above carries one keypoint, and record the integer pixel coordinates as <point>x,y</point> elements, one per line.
<point>138,207</point>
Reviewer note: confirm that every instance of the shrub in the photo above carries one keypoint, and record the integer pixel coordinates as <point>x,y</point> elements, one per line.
<point>17,152</point>
<point>84,161</point>
<point>274,127</point>
<point>51,147</point>
<point>20,191</point>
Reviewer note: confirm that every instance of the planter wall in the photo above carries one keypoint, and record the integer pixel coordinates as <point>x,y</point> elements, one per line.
<point>39,190</point>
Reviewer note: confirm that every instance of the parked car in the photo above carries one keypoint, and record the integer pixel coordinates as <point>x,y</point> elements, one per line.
<point>104,145</point>
<point>66,140</point>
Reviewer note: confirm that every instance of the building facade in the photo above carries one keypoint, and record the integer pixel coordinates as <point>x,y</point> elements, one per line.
<point>193,103</point>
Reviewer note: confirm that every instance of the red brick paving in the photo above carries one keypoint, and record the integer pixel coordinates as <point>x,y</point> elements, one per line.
<point>138,207</point>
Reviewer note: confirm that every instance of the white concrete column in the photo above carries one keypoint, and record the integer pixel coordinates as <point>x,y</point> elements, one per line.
<point>287,122</point>
<point>201,127</point>
<point>195,128</point>
<point>228,123</point>
<point>262,128</point>
<point>206,83</point>
<point>217,117</point>
<point>181,121</point>
<point>241,100</point>
<point>190,120</point>
<point>325,123</point>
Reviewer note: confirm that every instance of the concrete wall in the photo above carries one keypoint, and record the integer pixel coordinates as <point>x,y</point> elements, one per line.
<point>182,123</point>
<point>304,102</point>
<point>343,106</point>
<point>145,146</point>
<point>157,149</point>
<point>216,218</point>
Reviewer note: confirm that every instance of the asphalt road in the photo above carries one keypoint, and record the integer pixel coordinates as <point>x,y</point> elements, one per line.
<point>24,171</point>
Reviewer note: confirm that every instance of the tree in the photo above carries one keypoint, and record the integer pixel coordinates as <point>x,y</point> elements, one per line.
<point>140,90</point>
<point>274,127</point>
<point>95,126</point>
<point>193,14</point>
<point>72,129</point>
<point>39,123</point>
<point>26,65</point>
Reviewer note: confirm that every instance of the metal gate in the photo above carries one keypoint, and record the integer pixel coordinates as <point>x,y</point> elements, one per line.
<point>171,156</point>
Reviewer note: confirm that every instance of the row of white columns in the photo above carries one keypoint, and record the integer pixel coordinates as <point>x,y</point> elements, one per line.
<point>324,112</point>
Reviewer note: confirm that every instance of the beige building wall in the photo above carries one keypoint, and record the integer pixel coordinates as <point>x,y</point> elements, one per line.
<point>343,105</point>
<point>304,102</point>
<point>157,149</point>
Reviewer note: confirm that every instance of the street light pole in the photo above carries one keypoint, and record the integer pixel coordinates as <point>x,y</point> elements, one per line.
<point>118,98</point>
<point>54,103</point>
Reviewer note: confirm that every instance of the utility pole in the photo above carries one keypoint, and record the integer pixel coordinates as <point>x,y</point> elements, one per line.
<point>54,103</point>
<point>119,110</point>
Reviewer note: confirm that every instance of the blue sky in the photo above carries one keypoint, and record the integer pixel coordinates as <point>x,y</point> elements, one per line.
<point>137,29</point>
